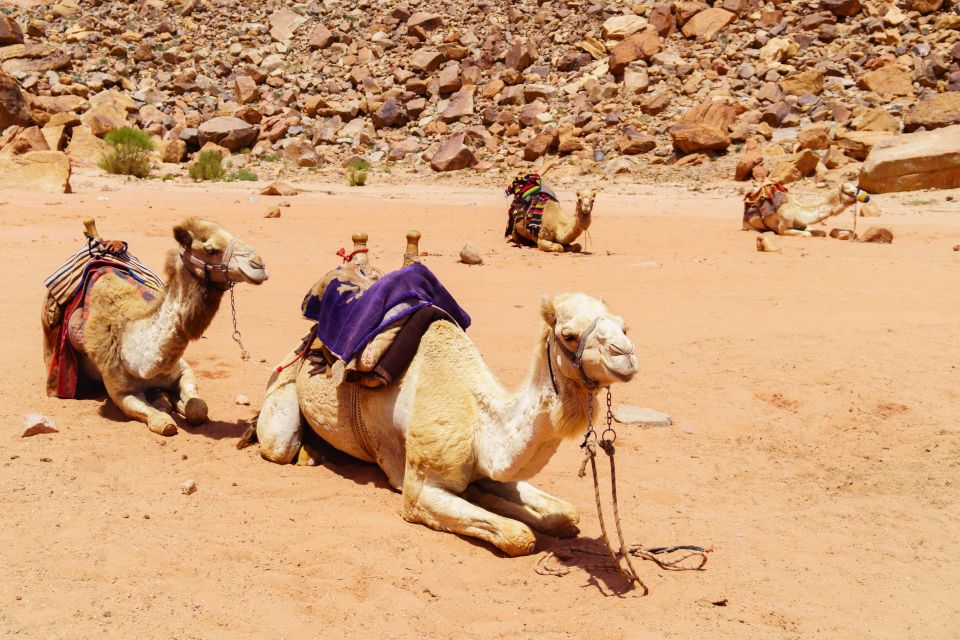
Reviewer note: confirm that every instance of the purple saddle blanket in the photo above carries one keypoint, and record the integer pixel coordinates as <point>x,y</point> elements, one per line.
<point>348,317</point>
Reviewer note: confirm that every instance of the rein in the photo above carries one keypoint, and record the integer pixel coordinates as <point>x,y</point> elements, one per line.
<point>212,275</point>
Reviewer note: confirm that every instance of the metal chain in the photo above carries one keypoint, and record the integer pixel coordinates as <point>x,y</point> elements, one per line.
<point>244,354</point>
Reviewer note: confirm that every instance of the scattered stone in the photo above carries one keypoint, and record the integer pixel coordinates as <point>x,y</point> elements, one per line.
<point>879,235</point>
<point>470,255</point>
<point>228,132</point>
<point>766,243</point>
<point>708,23</point>
<point>37,423</point>
<point>888,81</point>
<point>188,487</point>
<point>842,234</point>
<point>630,414</point>
<point>279,188</point>
<point>453,155</point>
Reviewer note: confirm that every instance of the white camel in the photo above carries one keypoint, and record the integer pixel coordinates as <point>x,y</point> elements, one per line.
<point>450,437</point>
<point>135,346</point>
<point>792,218</point>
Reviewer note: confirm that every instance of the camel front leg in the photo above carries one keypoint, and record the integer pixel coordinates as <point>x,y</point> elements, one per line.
<point>136,406</point>
<point>524,502</point>
<point>278,426</point>
<point>796,232</point>
<point>550,247</point>
<point>443,510</point>
<point>190,405</point>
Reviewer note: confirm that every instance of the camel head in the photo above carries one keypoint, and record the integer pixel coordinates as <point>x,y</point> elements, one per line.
<point>587,332</point>
<point>206,246</point>
<point>585,198</point>
<point>850,193</point>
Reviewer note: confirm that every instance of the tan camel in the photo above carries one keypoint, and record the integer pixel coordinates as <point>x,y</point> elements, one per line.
<point>135,346</point>
<point>559,229</point>
<point>450,437</point>
<point>792,218</point>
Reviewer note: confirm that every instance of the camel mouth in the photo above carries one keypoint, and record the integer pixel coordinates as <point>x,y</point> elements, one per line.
<point>621,372</point>
<point>253,275</point>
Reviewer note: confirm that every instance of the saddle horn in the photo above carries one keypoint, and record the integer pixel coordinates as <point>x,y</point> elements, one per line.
<point>412,254</point>
<point>359,257</point>
<point>90,229</point>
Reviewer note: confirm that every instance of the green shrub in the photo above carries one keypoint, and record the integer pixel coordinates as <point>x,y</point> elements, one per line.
<point>129,153</point>
<point>242,175</point>
<point>270,157</point>
<point>207,166</point>
<point>357,173</point>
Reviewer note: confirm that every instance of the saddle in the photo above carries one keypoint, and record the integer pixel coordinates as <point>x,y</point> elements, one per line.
<point>367,326</point>
<point>763,201</point>
<point>530,196</point>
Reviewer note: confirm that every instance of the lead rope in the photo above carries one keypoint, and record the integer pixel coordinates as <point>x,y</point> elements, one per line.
<point>244,354</point>
<point>568,552</point>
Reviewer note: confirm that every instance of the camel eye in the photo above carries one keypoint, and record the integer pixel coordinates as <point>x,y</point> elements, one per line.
<point>214,251</point>
<point>568,336</point>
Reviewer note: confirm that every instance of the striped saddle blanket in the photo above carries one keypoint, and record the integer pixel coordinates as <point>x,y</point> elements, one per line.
<point>64,283</point>
<point>530,196</point>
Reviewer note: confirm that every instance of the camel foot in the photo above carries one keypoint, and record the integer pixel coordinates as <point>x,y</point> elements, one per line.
<point>573,248</point>
<point>519,542</point>
<point>195,411</point>
<point>308,457</point>
<point>162,425</point>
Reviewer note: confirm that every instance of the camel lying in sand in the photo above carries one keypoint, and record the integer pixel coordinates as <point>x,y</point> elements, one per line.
<point>559,228</point>
<point>792,218</point>
<point>449,436</point>
<point>135,346</point>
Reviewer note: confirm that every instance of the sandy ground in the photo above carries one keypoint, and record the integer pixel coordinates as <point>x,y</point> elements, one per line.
<point>816,445</point>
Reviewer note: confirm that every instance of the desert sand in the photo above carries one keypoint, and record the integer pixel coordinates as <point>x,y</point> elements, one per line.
<point>815,448</point>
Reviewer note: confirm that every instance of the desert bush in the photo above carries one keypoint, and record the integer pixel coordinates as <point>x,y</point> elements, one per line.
<point>242,175</point>
<point>129,152</point>
<point>357,173</point>
<point>207,166</point>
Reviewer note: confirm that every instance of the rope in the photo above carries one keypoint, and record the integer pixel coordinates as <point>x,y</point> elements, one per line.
<point>349,256</point>
<point>617,561</point>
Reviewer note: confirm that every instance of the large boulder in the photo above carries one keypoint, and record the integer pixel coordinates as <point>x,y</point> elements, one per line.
<point>921,160</point>
<point>797,84</point>
<point>639,46</point>
<point>10,32</point>
<point>14,108</point>
<point>229,132</point>
<point>85,149</point>
<point>47,171</point>
<point>453,155</point>
<point>889,80</point>
<point>940,110</point>
<point>706,127</point>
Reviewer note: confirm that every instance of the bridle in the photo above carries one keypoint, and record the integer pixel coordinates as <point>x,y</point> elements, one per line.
<point>212,275</point>
<point>576,357</point>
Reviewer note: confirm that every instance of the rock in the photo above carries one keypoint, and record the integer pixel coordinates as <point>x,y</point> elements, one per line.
<point>795,167</point>
<point>10,32</point>
<point>460,105</point>
<point>662,19</point>
<point>37,423</point>
<point>320,37</point>
<point>284,23</point>
<point>741,7</point>
<point>245,89</point>
<point>920,160</point>
<point>521,55</point>
<point>767,244</point>
<point>778,50</point>
<point>939,110</point>
<point>815,136</point>
<point>188,487</point>
<point>55,136</point>
<point>924,6</point>
<point>273,212</point>
<point>242,400</point>
<point>879,235</point>
<point>842,234</point>
<point>639,46</point>
<point>877,119</point>
<point>690,138</point>
<point>888,81</point>
<point>619,27</point>
<point>751,158</point>
<point>428,21</point>
<point>629,414</point>
<point>635,80</point>
<point>453,155</point>
<point>14,108</point>
<point>24,140</point>
<point>279,188</point>
<point>172,150</point>
<point>706,24</point>
<point>104,118</point>
<point>426,60</point>
<point>228,132</point>
<point>46,171</point>
<point>635,143</point>
<point>545,142</point>
<point>810,81</point>
<point>390,114</point>
<point>858,144</point>
<point>845,8</point>
<point>85,149</point>
<point>470,255</point>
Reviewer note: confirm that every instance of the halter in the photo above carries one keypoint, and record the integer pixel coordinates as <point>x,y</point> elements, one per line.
<point>575,357</point>
<point>212,275</point>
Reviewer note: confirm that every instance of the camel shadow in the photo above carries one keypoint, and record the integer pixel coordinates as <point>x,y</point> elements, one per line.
<point>345,465</point>
<point>588,555</point>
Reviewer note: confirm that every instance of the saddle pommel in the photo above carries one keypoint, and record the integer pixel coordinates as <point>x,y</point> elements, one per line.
<point>412,254</point>
<point>90,229</point>
<point>359,248</point>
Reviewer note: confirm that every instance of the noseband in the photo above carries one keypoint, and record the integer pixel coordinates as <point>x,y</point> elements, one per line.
<point>212,275</point>
<point>575,357</point>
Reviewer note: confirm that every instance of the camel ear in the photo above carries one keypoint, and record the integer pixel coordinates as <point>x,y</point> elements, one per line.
<point>182,235</point>
<point>547,311</point>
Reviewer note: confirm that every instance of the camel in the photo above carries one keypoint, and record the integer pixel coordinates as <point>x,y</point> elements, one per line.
<point>136,346</point>
<point>792,218</point>
<point>559,229</point>
<point>447,435</point>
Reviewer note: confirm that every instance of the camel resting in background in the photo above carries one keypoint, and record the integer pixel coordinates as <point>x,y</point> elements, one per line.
<point>135,345</point>
<point>447,434</point>
<point>559,229</point>
<point>768,208</point>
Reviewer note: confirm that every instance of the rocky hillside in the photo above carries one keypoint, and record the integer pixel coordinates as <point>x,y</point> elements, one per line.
<point>807,85</point>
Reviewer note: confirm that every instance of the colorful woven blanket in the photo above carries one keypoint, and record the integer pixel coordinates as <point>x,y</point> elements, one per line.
<point>348,317</point>
<point>63,371</point>
<point>65,281</point>
<point>530,196</point>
